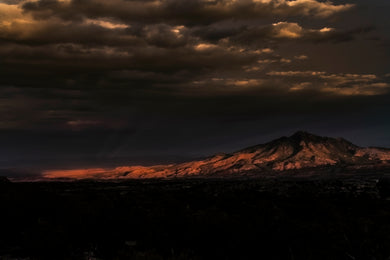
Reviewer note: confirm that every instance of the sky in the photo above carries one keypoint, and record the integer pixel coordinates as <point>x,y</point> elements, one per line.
<point>96,82</point>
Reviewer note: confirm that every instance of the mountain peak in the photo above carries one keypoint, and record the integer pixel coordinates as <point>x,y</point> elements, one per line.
<point>303,135</point>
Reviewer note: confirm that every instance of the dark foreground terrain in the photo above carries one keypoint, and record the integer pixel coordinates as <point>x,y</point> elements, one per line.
<point>344,217</point>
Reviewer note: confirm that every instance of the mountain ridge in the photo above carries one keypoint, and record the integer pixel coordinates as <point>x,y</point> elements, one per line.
<point>302,150</point>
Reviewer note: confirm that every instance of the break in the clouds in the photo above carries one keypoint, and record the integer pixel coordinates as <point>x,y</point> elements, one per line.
<point>155,69</point>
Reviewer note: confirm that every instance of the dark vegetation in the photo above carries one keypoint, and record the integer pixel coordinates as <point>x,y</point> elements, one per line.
<point>270,218</point>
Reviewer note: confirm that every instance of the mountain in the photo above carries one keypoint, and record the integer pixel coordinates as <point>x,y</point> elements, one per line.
<point>302,150</point>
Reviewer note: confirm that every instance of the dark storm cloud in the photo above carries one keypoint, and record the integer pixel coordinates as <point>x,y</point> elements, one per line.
<point>163,75</point>
<point>95,43</point>
<point>12,2</point>
<point>52,32</point>
<point>284,31</point>
<point>176,11</point>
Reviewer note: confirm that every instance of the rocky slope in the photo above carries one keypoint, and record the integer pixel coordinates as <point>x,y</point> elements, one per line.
<point>302,150</point>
